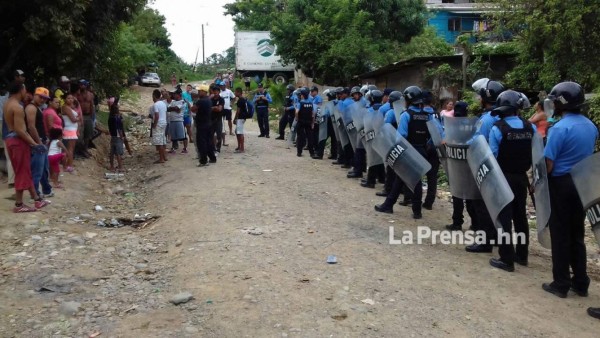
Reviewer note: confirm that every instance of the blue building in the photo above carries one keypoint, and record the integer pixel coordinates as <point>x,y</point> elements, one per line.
<point>451,18</point>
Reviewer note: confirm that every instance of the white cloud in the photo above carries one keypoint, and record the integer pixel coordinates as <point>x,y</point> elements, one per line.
<point>184,19</point>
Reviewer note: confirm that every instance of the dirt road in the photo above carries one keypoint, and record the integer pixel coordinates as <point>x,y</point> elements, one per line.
<point>249,237</point>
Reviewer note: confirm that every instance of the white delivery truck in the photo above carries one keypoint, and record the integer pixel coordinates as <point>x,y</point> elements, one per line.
<point>256,55</point>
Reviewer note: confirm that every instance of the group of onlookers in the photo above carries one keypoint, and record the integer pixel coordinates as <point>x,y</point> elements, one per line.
<point>42,130</point>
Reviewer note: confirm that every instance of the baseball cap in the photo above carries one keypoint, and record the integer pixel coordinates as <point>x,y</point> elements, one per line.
<point>83,82</point>
<point>203,87</point>
<point>64,79</point>
<point>260,85</point>
<point>43,92</point>
<point>19,72</point>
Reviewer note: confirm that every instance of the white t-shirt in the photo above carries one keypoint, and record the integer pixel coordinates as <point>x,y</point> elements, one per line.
<point>160,108</point>
<point>53,149</point>
<point>227,95</point>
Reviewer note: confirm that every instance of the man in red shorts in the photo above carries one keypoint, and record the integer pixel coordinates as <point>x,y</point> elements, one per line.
<point>20,145</point>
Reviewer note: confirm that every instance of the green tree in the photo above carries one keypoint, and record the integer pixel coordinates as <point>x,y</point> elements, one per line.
<point>51,38</point>
<point>334,40</point>
<point>557,41</point>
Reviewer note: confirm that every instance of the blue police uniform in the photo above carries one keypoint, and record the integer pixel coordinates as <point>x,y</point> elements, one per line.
<point>385,108</point>
<point>570,140</point>
<point>486,122</point>
<point>510,141</point>
<point>304,126</point>
<point>262,112</point>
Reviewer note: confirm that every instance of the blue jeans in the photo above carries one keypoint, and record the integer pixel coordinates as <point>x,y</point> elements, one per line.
<point>39,172</point>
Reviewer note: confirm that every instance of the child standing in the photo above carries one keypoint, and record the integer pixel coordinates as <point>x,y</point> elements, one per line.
<point>56,155</point>
<point>117,137</point>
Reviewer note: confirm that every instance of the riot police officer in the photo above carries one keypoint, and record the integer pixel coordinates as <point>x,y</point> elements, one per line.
<point>413,127</point>
<point>359,158</point>
<point>305,120</point>
<point>432,157</point>
<point>458,204</point>
<point>317,101</point>
<point>344,104</point>
<point>327,114</point>
<point>289,110</point>
<point>390,117</point>
<point>570,140</point>
<point>377,171</point>
<point>488,92</point>
<point>510,141</point>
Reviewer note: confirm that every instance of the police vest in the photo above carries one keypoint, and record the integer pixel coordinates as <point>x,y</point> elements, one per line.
<point>514,152</point>
<point>263,103</point>
<point>418,134</point>
<point>306,112</point>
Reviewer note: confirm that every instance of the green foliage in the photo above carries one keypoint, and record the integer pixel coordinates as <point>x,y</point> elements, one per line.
<point>447,75</point>
<point>593,112</point>
<point>48,39</point>
<point>556,41</point>
<point>428,43</point>
<point>332,41</point>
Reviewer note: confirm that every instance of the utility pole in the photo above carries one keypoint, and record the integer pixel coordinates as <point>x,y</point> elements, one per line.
<point>203,58</point>
<point>196,60</point>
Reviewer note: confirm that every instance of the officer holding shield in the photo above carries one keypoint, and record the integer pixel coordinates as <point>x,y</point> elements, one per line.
<point>458,204</point>
<point>305,118</point>
<point>391,117</point>
<point>510,141</point>
<point>376,171</point>
<point>488,92</point>
<point>570,140</point>
<point>432,157</point>
<point>413,127</point>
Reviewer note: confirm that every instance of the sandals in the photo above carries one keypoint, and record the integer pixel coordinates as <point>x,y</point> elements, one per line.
<point>23,208</point>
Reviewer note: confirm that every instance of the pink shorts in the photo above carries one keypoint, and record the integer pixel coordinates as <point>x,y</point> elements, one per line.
<point>54,161</point>
<point>70,134</point>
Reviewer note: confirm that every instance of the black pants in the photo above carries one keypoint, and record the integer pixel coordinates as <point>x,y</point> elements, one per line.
<point>414,196</point>
<point>484,221</point>
<point>334,140</point>
<point>376,172</point>
<point>304,136</point>
<point>262,117</point>
<point>515,213</point>
<point>360,159</point>
<point>432,176</point>
<point>566,232</point>
<point>217,129</point>
<point>205,145</point>
<point>458,206</point>
<point>390,176</point>
<point>348,154</point>
<point>286,119</point>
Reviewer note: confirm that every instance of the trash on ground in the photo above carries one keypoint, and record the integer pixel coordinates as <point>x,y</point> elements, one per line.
<point>331,259</point>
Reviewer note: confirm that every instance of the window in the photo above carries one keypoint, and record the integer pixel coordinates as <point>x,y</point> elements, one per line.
<point>454,24</point>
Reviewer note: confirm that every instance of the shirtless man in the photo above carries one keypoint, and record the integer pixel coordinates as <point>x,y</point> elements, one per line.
<point>20,144</point>
<point>86,100</point>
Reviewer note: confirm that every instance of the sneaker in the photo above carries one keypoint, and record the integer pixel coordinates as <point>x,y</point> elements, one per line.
<point>51,194</point>
<point>212,161</point>
<point>70,169</point>
<point>216,154</point>
<point>184,151</point>
<point>202,164</point>
<point>23,208</point>
<point>172,151</point>
<point>237,151</point>
<point>41,203</point>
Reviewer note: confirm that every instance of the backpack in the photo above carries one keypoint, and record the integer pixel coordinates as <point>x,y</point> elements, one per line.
<point>249,110</point>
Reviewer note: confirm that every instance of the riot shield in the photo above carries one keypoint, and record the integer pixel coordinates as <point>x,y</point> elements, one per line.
<point>541,190</point>
<point>458,133</point>
<point>399,106</point>
<point>436,139</point>
<point>494,188</point>
<point>321,123</point>
<point>330,106</point>
<point>401,156</point>
<point>358,112</point>
<point>339,125</point>
<point>373,158</point>
<point>586,176</point>
<point>349,124</point>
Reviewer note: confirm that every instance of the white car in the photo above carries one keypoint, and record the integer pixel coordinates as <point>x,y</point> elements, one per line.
<point>150,79</point>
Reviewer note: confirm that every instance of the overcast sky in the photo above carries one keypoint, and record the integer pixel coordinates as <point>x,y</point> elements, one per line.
<point>184,21</point>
